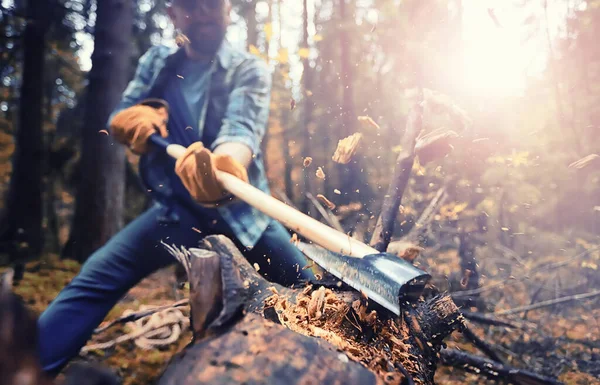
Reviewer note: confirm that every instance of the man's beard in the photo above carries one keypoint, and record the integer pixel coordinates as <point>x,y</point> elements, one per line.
<point>203,41</point>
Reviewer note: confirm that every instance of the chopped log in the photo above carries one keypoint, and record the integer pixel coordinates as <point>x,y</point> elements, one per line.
<point>257,351</point>
<point>248,347</point>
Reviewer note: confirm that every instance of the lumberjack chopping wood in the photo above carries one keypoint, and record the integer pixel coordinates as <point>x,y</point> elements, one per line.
<point>213,99</point>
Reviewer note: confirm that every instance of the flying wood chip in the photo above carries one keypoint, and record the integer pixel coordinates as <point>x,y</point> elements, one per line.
<point>103,132</point>
<point>346,148</point>
<point>307,161</point>
<point>585,161</point>
<point>181,40</point>
<point>320,173</point>
<point>366,120</point>
<point>434,145</point>
<point>292,104</point>
<point>294,239</point>
<point>326,201</point>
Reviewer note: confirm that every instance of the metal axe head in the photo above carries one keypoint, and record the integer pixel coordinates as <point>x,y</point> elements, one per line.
<point>385,278</point>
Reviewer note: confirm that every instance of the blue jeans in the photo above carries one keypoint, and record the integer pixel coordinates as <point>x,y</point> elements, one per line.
<point>133,254</point>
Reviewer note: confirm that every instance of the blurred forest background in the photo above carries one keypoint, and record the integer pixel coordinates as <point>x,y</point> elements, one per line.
<point>518,80</point>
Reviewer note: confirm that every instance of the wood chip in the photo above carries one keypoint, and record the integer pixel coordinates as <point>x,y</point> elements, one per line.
<point>367,121</point>
<point>181,40</point>
<point>292,104</point>
<point>326,201</point>
<point>346,148</point>
<point>294,239</point>
<point>585,161</point>
<point>320,173</point>
<point>307,161</point>
<point>434,145</point>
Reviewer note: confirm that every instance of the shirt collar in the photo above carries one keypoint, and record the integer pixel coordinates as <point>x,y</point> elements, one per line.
<point>224,54</point>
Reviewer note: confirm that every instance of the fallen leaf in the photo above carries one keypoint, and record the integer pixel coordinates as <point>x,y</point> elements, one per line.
<point>268,31</point>
<point>282,56</point>
<point>367,121</point>
<point>346,148</point>
<point>307,161</point>
<point>326,201</point>
<point>320,173</point>
<point>254,50</point>
<point>304,53</point>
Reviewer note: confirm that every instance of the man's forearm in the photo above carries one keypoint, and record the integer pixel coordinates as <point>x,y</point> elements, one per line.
<point>238,151</point>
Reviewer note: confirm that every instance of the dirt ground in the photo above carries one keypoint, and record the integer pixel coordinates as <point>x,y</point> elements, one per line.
<point>563,340</point>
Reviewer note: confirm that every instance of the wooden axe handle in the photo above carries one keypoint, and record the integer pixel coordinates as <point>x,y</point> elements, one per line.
<point>293,219</point>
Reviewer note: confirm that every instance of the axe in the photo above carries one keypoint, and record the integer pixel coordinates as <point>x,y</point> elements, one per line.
<point>385,278</point>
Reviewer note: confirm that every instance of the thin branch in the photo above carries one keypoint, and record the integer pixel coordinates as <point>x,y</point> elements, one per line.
<point>327,214</point>
<point>492,369</point>
<point>403,169</point>
<point>485,347</point>
<point>526,275</point>
<point>486,319</point>
<point>426,217</point>
<point>576,297</point>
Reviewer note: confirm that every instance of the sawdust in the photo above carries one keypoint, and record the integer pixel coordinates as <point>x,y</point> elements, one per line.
<point>321,313</point>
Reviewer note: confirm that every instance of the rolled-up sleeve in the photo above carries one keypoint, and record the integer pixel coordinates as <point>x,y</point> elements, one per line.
<point>247,112</point>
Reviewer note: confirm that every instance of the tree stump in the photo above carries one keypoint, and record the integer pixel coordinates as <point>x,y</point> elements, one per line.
<point>248,330</point>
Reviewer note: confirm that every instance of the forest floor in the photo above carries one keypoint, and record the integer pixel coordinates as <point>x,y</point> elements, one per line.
<point>561,340</point>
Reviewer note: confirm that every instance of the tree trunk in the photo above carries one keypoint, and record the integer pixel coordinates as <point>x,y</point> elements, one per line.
<point>101,192</point>
<point>22,233</point>
<point>307,112</point>
<point>251,24</point>
<point>352,178</point>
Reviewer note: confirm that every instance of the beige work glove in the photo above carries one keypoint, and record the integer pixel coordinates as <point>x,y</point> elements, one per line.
<point>134,125</point>
<point>196,169</point>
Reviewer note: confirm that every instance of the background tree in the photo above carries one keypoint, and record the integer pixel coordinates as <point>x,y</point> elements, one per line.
<point>101,191</point>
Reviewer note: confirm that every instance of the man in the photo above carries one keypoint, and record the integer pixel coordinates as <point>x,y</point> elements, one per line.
<point>213,99</point>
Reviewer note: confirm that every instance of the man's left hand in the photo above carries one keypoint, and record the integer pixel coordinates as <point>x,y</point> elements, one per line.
<point>197,171</point>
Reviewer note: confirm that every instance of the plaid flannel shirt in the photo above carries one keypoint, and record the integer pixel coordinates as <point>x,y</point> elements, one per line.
<point>238,103</point>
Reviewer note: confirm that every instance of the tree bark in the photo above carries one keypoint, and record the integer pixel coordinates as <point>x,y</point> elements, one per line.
<point>251,24</point>
<point>307,80</point>
<point>352,177</point>
<point>101,190</point>
<point>22,232</point>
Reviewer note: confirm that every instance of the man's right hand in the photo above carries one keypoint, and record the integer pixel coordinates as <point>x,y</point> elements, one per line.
<point>134,125</point>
